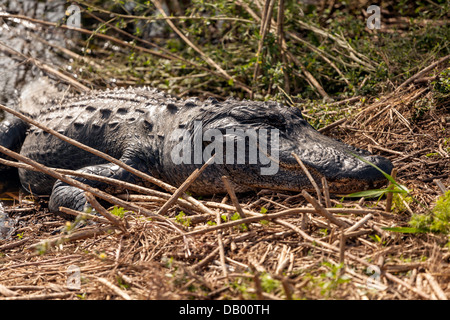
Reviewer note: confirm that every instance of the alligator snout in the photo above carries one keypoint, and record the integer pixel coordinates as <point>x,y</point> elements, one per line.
<point>364,176</point>
<point>346,168</point>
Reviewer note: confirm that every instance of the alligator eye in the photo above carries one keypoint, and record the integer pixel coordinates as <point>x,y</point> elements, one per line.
<point>260,117</point>
<point>277,121</point>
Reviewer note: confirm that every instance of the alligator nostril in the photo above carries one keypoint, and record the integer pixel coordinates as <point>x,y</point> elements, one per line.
<point>381,163</point>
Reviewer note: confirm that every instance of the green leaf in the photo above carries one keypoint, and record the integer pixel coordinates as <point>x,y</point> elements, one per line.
<point>405,230</point>
<point>235,216</point>
<point>375,193</point>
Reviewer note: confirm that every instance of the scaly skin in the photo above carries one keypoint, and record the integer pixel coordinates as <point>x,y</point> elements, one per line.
<point>138,126</point>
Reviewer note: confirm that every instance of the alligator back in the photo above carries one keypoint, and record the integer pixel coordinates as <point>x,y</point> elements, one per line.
<point>116,122</point>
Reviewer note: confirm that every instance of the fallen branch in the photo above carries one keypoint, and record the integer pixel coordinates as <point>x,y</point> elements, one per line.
<point>422,72</point>
<point>240,221</point>
<point>44,67</point>
<point>80,235</point>
<point>233,197</point>
<point>324,212</point>
<point>114,288</point>
<point>152,194</point>
<point>217,205</point>
<point>184,186</point>
<point>326,192</point>
<point>99,208</point>
<point>310,177</point>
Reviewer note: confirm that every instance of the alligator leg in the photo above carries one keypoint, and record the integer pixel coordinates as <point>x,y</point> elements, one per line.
<point>12,134</point>
<point>65,195</point>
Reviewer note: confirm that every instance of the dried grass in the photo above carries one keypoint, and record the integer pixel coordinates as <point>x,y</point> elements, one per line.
<point>284,256</point>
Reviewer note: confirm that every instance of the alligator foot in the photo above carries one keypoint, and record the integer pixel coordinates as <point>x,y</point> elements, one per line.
<point>65,195</point>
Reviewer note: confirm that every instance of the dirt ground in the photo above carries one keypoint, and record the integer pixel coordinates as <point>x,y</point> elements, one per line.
<point>297,254</point>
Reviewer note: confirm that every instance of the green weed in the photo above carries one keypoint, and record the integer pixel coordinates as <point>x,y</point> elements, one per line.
<point>181,218</point>
<point>118,211</point>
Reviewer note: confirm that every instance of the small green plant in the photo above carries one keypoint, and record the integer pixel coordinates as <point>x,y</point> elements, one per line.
<point>181,218</point>
<point>442,83</point>
<point>269,284</point>
<point>122,283</point>
<point>376,238</point>
<point>399,200</point>
<point>118,211</point>
<point>331,280</point>
<point>235,217</point>
<point>421,107</point>
<point>243,287</point>
<point>323,232</point>
<point>81,296</point>
<point>20,235</point>
<point>432,155</point>
<point>438,221</point>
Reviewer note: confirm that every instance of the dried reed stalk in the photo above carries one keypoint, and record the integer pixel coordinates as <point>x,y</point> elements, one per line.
<point>310,177</point>
<point>324,212</point>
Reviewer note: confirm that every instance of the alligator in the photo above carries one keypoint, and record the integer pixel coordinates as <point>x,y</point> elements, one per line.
<point>154,132</point>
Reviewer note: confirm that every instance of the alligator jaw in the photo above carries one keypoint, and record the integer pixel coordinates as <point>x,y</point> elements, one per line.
<point>366,178</point>
<point>298,181</point>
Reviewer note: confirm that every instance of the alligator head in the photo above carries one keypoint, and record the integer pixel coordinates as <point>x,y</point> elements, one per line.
<point>263,155</point>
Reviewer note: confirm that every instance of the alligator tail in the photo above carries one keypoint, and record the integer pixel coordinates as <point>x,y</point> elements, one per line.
<point>33,97</point>
<point>13,130</point>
